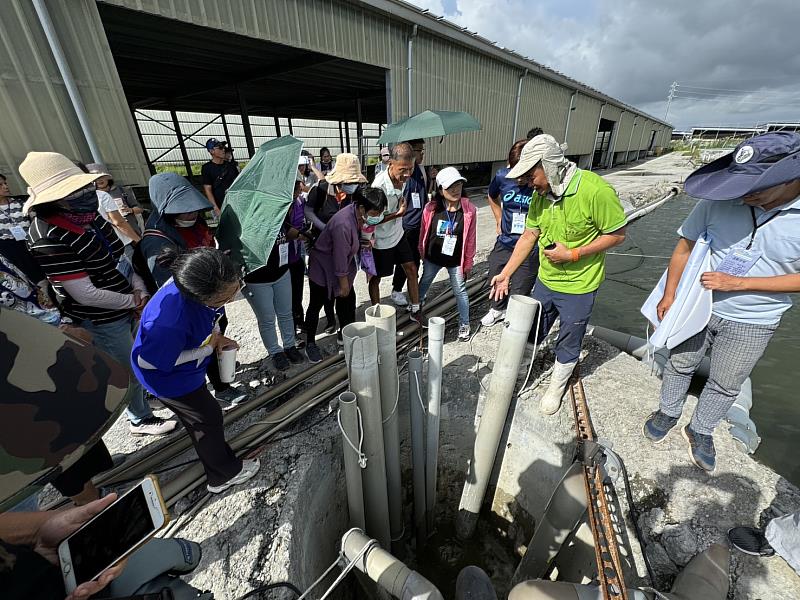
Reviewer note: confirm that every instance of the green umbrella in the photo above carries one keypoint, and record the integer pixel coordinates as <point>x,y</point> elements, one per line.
<point>431,123</point>
<point>256,203</point>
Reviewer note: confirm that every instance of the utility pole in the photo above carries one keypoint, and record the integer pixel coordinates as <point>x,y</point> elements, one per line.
<point>672,89</point>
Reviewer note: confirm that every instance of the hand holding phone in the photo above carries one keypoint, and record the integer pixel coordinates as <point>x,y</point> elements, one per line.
<point>101,538</point>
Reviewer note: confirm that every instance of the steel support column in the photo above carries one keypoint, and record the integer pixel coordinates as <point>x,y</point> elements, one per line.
<point>277,127</point>
<point>186,162</point>
<point>360,135</point>
<point>248,133</point>
<point>150,166</point>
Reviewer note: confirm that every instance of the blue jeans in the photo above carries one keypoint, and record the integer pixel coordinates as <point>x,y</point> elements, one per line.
<point>429,272</point>
<point>573,310</point>
<point>269,300</point>
<point>116,340</point>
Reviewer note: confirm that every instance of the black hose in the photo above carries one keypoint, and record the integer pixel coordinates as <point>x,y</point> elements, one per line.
<point>272,586</point>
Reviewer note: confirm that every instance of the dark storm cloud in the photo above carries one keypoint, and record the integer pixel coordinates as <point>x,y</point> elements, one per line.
<point>634,49</point>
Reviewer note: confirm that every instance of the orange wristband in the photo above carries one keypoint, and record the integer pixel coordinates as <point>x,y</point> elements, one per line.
<point>576,254</point>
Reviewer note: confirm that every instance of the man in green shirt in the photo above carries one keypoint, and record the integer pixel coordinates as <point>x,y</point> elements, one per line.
<point>576,216</point>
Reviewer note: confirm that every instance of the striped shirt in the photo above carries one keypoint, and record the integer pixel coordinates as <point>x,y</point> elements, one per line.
<point>66,251</point>
<point>11,215</point>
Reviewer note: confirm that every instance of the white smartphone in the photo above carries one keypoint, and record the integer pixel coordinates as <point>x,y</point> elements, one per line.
<point>113,534</point>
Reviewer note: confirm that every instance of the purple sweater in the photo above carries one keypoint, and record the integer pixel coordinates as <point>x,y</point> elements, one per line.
<point>333,255</point>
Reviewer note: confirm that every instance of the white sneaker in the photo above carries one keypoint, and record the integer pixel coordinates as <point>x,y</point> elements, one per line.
<point>153,426</point>
<point>463,333</point>
<point>399,299</point>
<point>249,470</point>
<point>492,317</point>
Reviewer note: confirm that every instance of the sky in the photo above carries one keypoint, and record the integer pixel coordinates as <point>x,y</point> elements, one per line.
<point>736,62</point>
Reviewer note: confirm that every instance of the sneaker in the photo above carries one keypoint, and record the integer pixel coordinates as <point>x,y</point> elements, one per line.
<point>153,426</point>
<point>231,395</point>
<point>339,339</point>
<point>249,469</point>
<point>399,299</point>
<point>300,344</point>
<point>330,326</point>
<point>280,361</point>
<point>293,354</point>
<point>750,540</point>
<point>313,354</point>
<point>657,426</point>
<point>419,317</point>
<point>701,449</point>
<point>492,317</point>
<point>463,332</point>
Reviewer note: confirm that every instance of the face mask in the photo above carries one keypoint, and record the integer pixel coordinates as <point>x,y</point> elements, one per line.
<point>182,223</point>
<point>373,220</point>
<point>81,202</point>
<point>349,188</point>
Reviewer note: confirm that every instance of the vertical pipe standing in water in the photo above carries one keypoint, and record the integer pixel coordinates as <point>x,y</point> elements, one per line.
<point>519,318</point>
<point>384,319</point>
<point>361,353</point>
<point>349,422</point>
<point>435,352</point>
<point>417,410</point>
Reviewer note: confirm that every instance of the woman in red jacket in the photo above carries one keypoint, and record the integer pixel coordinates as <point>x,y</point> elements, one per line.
<point>447,240</point>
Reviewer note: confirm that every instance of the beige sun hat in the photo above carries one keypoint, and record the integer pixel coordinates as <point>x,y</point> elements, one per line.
<point>51,176</point>
<point>347,170</point>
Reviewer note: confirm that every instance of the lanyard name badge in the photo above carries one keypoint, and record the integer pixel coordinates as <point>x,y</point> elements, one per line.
<point>18,232</point>
<point>740,260</point>
<point>518,223</point>
<point>450,238</point>
<point>283,252</point>
<point>416,202</point>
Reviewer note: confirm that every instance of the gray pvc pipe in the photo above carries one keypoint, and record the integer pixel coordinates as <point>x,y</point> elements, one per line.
<point>435,354</point>
<point>519,319</point>
<point>386,570</point>
<point>415,383</point>
<point>384,319</point>
<point>348,415</point>
<point>66,74</point>
<point>361,354</point>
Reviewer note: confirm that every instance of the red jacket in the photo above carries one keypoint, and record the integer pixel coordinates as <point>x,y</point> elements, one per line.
<point>470,232</point>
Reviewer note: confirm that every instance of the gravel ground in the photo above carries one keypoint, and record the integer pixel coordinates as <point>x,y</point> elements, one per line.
<point>258,533</point>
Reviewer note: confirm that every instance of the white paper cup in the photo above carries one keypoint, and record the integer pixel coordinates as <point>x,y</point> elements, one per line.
<point>226,359</point>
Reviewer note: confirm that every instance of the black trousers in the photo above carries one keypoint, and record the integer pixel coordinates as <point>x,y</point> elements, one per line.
<point>93,462</point>
<point>202,417</point>
<point>399,279</point>
<point>297,271</point>
<point>523,279</point>
<point>345,309</point>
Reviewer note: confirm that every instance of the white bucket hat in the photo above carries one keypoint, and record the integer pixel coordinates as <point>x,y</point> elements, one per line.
<point>51,176</point>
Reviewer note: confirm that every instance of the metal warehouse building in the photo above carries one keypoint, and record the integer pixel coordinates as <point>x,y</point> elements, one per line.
<point>73,73</point>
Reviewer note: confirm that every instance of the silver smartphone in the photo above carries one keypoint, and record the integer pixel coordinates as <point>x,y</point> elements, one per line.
<point>113,534</point>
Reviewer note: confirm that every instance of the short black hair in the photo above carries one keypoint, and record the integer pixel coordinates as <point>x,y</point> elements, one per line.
<point>534,132</point>
<point>323,150</point>
<point>3,177</point>
<point>370,198</point>
<point>200,273</point>
<point>416,141</point>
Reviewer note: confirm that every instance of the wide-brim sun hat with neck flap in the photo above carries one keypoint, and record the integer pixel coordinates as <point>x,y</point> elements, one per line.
<point>347,170</point>
<point>50,177</point>
<point>756,164</point>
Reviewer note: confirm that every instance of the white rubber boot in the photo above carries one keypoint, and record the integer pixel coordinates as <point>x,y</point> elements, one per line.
<point>551,401</point>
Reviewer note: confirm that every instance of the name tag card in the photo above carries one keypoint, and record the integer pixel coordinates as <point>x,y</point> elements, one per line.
<point>283,254</point>
<point>739,262</point>
<point>518,223</point>
<point>449,245</point>
<point>416,201</point>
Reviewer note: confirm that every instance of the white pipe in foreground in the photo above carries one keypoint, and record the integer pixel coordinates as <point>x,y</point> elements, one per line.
<point>350,423</point>
<point>435,357</point>
<point>519,319</point>
<point>417,411</point>
<point>384,319</point>
<point>386,570</point>
<point>361,354</point>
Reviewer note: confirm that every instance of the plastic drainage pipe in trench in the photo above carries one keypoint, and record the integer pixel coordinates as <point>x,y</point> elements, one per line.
<point>350,423</point>
<point>361,354</point>
<point>386,570</point>
<point>435,355</point>
<point>417,411</point>
<point>384,319</point>
<point>519,319</point>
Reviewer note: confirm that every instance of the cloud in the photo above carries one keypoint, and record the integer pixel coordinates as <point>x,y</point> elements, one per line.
<point>634,49</point>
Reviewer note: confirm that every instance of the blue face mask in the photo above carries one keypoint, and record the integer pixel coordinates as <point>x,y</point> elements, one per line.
<point>373,220</point>
<point>349,188</point>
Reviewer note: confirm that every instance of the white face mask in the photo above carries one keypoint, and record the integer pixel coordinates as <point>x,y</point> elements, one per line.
<point>182,223</point>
